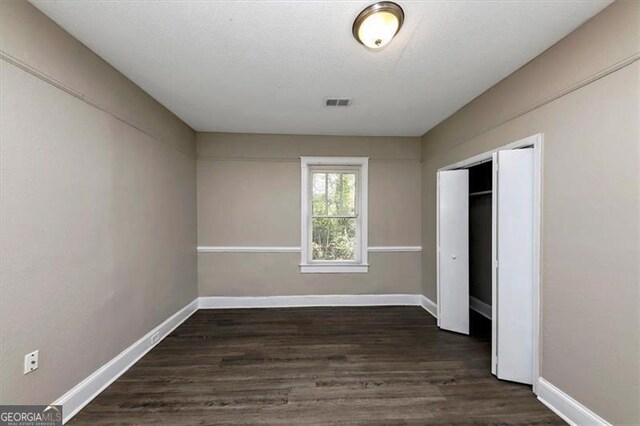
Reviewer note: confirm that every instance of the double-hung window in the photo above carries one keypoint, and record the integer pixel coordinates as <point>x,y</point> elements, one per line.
<point>334,214</point>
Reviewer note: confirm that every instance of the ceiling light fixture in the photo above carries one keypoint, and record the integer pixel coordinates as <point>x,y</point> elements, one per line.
<point>376,25</point>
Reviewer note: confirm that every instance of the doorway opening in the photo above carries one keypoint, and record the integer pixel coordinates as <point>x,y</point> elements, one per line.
<point>480,250</point>
<point>488,240</point>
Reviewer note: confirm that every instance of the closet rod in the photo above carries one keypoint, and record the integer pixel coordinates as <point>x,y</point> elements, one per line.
<point>479,193</point>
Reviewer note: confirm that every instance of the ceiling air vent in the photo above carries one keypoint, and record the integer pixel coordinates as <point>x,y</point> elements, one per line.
<point>332,102</point>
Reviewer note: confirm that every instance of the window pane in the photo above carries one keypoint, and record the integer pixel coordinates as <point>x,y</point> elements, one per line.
<point>341,188</point>
<point>334,239</point>
<point>348,194</point>
<point>319,204</point>
<point>333,190</point>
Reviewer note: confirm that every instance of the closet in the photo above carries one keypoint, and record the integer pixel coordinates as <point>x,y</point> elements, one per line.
<point>485,255</point>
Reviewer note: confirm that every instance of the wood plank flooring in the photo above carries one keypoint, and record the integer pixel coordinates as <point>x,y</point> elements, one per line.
<point>369,365</point>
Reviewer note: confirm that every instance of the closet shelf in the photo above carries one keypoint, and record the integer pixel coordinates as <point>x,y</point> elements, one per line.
<point>479,193</point>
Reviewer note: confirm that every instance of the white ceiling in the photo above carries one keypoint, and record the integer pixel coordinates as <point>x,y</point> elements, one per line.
<point>266,66</point>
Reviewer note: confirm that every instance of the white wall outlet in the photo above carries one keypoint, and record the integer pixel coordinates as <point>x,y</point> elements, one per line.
<point>155,338</point>
<point>31,362</point>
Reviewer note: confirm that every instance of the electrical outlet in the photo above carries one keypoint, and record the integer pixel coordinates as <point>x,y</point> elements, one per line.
<point>155,338</point>
<point>31,362</point>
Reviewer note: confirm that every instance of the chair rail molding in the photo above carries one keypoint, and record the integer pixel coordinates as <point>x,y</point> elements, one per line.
<point>291,249</point>
<point>248,249</point>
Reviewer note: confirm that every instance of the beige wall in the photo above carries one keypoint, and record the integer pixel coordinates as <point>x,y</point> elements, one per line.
<point>99,222</point>
<point>590,268</point>
<point>98,209</point>
<point>249,195</point>
<point>35,41</point>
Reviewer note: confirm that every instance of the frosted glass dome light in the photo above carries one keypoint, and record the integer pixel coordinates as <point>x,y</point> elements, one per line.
<point>376,25</point>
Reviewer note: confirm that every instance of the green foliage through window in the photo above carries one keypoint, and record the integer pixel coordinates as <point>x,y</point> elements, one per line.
<point>334,215</point>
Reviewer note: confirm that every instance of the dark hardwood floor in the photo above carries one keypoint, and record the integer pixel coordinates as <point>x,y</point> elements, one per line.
<point>370,365</point>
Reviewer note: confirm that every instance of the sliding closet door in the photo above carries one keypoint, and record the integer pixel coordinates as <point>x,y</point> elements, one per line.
<point>513,278</point>
<point>453,250</point>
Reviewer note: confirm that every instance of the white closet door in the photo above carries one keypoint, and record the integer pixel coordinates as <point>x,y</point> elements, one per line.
<point>453,250</point>
<point>513,280</point>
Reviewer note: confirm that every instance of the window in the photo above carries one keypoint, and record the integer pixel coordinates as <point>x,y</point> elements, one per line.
<point>334,214</point>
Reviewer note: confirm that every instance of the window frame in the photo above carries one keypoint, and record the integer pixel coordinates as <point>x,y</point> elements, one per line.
<point>310,165</point>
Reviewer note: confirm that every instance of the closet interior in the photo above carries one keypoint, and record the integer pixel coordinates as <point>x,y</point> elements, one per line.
<point>480,248</point>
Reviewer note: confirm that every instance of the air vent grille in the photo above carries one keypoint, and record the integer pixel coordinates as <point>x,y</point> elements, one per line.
<point>341,102</point>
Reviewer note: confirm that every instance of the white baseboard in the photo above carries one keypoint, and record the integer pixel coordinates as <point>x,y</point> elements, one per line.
<point>429,306</point>
<point>74,400</point>
<point>480,307</point>
<point>81,394</point>
<point>222,302</point>
<point>566,407</point>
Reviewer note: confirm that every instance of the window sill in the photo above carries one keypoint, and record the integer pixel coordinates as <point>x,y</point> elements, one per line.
<point>334,269</point>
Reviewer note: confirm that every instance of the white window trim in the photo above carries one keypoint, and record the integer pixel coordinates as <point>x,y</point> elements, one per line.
<point>362,264</point>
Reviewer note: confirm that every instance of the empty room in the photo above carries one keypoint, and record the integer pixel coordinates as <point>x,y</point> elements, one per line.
<point>319,212</point>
